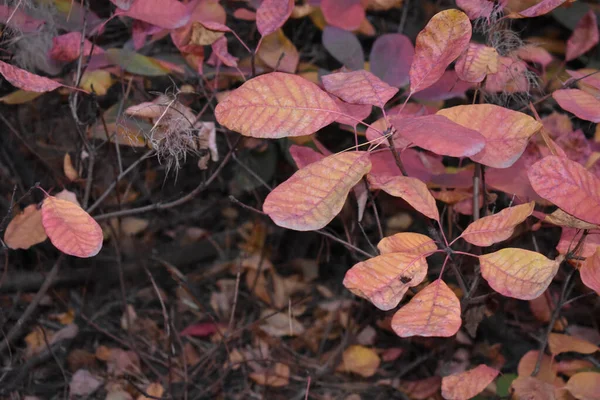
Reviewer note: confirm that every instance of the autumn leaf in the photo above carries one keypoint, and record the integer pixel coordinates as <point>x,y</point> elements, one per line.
<point>468,384</point>
<point>476,62</point>
<point>411,190</point>
<point>278,52</point>
<point>277,376</point>
<point>559,343</point>
<point>391,57</point>
<point>480,9</point>
<point>168,14</point>
<point>506,132</point>
<point>590,271</point>
<point>344,14</point>
<point>569,185</point>
<point>518,273</point>
<point>541,8</point>
<point>272,14</point>
<point>569,239</point>
<point>434,311</point>
<point>498,227</point>
<point>444,38</point>
<point>511,76</point>
<point>359,360</point>
<point>314,195</point>
<point>532,388</point>
<point>584,38</point>
<point>383,280</point>
<point>527,364</point>
<point>67,47</point>
<point>566,220</point>
<point>407,242</point>
<point>70,228</point>
<point>584,385</point>
<point>25,229</point>
<point>26,80</point>
<point>276,105</point>
<point>345,47</point>
<point>438,134</point>
<point>304,155</point>
<point>578,102</point>
<point>359,87</point>
<point>70,171</point>
<point>351,114</point>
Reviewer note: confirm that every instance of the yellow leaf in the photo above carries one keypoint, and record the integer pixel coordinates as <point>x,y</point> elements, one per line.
<point>69,170</point>
<point>20,97</point>
<point>202,36</point>
<point>407,242</point>
<point>359,360</point>
<point>518,273</point>
<point>564,219</point>
<point>278,52</point>
<point>314,195</point>
<point>26,229</point>
<point>97,81</point>
<point>498,227</point>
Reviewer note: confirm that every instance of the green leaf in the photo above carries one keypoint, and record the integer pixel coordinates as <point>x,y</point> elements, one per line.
<point>136,63</point>
<point>503,384</point>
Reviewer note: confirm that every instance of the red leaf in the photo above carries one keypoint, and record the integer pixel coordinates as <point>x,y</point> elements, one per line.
<point>304,155</point>
<point>444,38</point>
<point>585,36</point>
<point>391,57</point>
<point>344,47</point>
<point>66,47</point>
<point>359,87</point>
<point>201,329</point>
<point>449,86</point>
<point>168,14</point>
<point>344,14</point>
<point>26,80</point>
<point>439,135</point>
<point>568,185</point>
<point>578,102</point>
<point>272,14</point>
<point>541,8</point>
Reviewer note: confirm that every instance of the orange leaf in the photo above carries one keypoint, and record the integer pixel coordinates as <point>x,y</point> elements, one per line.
<point>590,271</point>
<point>26,229</point>
<point>584,38</point>
<point>527,363</point>
<point>407,242</point>
<point>559,343</point>
<point>569,185</point>
<point>475,63</point>
<point>411,190</point>
<point>360,360</point>
<point>272,14</point>
<point>578,102</point>
<point>314,195</point>
<point>498,227</point>
<point>531,388</point>
<point>276,105</point>
<point>444,38</point>
<point>359,87</point>
<point>384,279</point>
<point>585,385</point>
<point>434,311</point>
<point>70,229</point>
<point>278,376</point>
<point>26,80</point>
<point>518,273</point>
<point>70,171</point>
<point>278,52</point>
<point>506,132</point>
<point>468,384</point>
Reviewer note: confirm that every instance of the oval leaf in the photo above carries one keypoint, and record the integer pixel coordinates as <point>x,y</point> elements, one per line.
<point>438,134</point>
<point>506,132</point>
<point>584,385</point>
<point>468,384</point>
<point>344,14</point>
<point>70,229</point>
<point>276,105</point>
<point>590,272</point>
<point>168,14</point>
<point>434,311</point>
<point>407,242</point>
<point>26,80</point>
<point>569,185</point>
<point>584,38</point>
<point>442,40</point>
<point>25,229</point>
<point>475,63</point>
<point>314,195</point>
<point>360,360</point>
<point>411,190</point>
<point>578,102</point>
<point>359,87</point>
<point>344,46</point>
<point>272,14</point>
<point>498,227</point>
<point>559,343</point>
<point>391,57</point>
<point>541,8</point>
<point>518,273</point>
<point>383,280</point>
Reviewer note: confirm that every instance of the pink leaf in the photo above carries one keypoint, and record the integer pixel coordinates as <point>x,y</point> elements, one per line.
<point>357,112</point>
<point>359,87</point>
<point>391,57</point>
<point>168,14</point>
<point>66,47</point>
<point>570,237</point>
<point>590,272</point>
<point>272,14</point>
<point>220,52</point>
<point>584,37</point>
<point>304,155</point>
<point>344,47</point>
<point>476,63</point>
<point>578,102</point>
<point>590,77</point>
<point>445,37</point>
<point>439,135</point>
<point>468,384</point>
<point>201,329</point>
<point>541,8</point>
<point>569,185</point>
<point>510,78</point>
<point>535,54</point>
<point>26,80</point>
<point>481,8</point>
<point>449,86</point>
<point>344,14</point>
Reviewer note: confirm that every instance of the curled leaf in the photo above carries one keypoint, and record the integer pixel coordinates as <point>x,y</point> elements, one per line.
<point>541,8</point>
<point>434,311</point>
<point>276,105</point>
<point>70,229</point>
<point>476,62</point>
<point>518,273</point>
<point>314,195</point>
<point>26,80</point>
<point>468,384</point>
<point>411,190</point>
<point>384,279</point>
